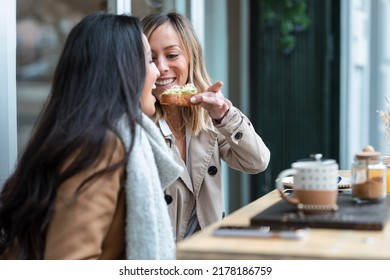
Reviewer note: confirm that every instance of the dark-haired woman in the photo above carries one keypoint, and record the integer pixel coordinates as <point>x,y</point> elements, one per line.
<point>90,182</point>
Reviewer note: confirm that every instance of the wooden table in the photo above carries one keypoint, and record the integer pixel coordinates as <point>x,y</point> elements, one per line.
<point>319,244</point>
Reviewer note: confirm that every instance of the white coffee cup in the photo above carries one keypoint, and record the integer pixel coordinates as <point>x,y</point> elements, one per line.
<point>315,185</point>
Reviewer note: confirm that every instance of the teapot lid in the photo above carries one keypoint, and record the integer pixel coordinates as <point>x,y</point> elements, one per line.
<point>368,152</point>
<point>318,158</point>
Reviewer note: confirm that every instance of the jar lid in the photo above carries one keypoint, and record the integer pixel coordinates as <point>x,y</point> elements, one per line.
<point>367,153</point>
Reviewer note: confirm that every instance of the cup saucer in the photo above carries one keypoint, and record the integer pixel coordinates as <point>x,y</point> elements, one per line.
<point>345,183</point>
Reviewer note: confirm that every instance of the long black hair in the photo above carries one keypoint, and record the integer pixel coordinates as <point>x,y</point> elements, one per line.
<point>98,80</point>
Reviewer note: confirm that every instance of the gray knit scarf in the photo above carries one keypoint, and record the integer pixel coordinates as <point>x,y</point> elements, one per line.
<point>150,170</point>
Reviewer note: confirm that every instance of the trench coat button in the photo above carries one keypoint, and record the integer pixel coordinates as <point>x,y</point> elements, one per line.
<point>238,135</point>
<point>212,170</point>
<point>168,199</point>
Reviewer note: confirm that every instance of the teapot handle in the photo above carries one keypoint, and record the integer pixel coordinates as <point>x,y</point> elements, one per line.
<point>280,187</point>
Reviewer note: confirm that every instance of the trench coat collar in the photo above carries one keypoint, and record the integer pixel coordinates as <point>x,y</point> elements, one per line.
<point>201,149</point>
<point>168,135</point>
<point>199,153</point>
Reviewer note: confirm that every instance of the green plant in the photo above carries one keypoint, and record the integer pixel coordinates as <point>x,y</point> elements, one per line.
<point>290,16</point>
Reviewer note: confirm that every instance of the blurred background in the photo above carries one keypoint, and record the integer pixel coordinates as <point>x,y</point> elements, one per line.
<point>310,74</point>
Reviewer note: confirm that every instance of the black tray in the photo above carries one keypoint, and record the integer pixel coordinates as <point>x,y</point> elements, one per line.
<point>350,215</point>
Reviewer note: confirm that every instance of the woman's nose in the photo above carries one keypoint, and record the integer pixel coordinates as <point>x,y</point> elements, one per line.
<point>162,65</point>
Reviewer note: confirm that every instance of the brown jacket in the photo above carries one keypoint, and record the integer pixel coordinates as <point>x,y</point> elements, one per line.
<point>236,142</point>
<point>93,225</point>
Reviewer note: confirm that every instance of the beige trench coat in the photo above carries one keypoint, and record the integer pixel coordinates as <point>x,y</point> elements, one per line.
<point>234,141</point>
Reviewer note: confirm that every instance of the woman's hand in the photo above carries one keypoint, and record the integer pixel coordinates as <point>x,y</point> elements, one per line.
<point>212,101</point>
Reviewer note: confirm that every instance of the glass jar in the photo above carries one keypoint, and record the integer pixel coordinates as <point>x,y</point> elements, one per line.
<point>368,177</point>
<point>386,162</point>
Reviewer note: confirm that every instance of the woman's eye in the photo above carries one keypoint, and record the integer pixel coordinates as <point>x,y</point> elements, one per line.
<point>171,56</point>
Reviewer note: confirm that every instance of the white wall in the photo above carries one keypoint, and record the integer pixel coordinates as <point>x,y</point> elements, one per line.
<point>365,76</point>
<point>380,71</point>
<point>217,62</point>
<point>119,6</point>
<point>355,69</point>
<point>8,124</point>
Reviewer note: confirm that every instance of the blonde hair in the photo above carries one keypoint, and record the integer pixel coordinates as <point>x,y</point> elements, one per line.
<point>195,117</point>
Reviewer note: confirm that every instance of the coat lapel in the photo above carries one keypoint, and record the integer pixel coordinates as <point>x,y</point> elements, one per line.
<point>184,176</point>
<point>201,150</point>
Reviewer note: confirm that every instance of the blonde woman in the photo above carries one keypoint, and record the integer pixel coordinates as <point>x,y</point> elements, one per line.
<point>202,135</point>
